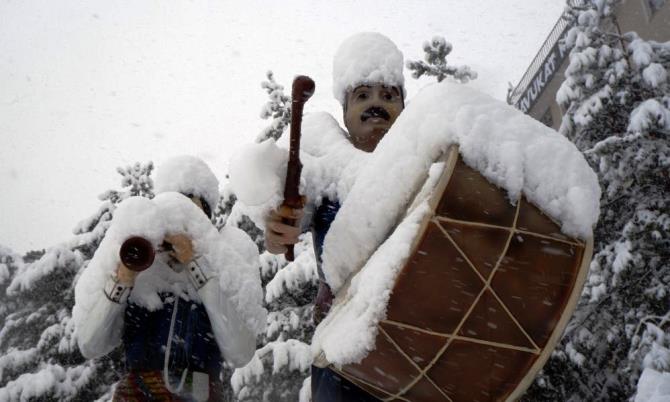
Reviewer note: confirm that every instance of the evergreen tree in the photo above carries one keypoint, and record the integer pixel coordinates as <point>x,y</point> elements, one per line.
<point>436,65</point>
<point>617,97</point>
<point>224,208</point>
<point>10,262</point>
<point>278,107</point>
<point>282,360</point>
<point>40,359</point>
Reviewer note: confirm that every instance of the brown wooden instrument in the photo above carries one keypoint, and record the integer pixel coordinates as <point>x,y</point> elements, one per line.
<point>481,302</point>
<point>303,89</point>
<point>137,253</point>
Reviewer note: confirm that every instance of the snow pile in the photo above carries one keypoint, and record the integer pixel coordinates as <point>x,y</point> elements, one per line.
<point>643,55</point>
<point>257,173</point>
<point>642,52</point>
<point>291,354</point>
<point>330,166</point>
<point>654,75</point>
<point>331,162</point>
<point>14,358</point>
<point>648,114</point>
<point>59,257</point>
<point>509,148</point>
<point>61,382</point>
<point>295,274</point>
<point>366,58</point>
<point>230,254</point>
<point>188,175</point>
<point>653,386</point>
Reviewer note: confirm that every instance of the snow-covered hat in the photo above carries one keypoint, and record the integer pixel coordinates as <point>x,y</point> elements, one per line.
<point>188,175</point>
<point>366,58</point>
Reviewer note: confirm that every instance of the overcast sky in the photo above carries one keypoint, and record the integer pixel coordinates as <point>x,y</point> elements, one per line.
<point>86,86</point>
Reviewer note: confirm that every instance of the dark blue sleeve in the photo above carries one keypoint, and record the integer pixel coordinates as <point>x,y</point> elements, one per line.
<point>323,218</point>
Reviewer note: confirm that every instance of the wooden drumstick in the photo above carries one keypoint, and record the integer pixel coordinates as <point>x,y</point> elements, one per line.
<point>303,89</point>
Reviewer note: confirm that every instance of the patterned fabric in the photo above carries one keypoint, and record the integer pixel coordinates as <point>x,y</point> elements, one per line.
<point>143,386</point>
<point>323,218</point>
<point>148,386</point>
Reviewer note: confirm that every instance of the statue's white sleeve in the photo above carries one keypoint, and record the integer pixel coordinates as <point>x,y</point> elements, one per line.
<point>228,280</point>
<point>235,339</point>
<point>98,314</point>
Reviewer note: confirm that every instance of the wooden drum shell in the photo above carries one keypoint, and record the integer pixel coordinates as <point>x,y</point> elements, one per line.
<point>481,302</point>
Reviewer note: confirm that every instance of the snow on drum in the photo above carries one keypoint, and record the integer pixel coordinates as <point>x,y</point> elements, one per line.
<point>471,245</point>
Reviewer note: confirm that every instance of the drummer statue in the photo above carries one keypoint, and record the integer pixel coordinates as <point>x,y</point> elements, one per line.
<point>369,84</point>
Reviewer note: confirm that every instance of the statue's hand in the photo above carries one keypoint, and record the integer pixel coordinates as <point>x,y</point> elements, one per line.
<point>182,247</point>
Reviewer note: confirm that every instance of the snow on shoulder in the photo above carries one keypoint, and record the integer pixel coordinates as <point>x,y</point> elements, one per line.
<point>330,165</point>
<point>257,172</point>
<point>331,162</point>
<point>365,247</point>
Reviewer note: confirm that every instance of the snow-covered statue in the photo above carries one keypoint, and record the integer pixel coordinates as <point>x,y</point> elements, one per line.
<point>196,305</point>
<point>369,84</point>
<point>455,234</point>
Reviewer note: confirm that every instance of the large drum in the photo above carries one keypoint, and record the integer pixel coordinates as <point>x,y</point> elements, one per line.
<point>481,302</point>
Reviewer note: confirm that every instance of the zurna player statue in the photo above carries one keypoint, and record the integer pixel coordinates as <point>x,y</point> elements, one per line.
<point>369,84</point>
<point>180,318</point>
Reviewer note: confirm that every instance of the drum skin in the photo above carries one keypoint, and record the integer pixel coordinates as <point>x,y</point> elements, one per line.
<point>481,302</point>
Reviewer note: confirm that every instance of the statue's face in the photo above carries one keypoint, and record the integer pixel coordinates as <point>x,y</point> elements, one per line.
<point>369,112</point>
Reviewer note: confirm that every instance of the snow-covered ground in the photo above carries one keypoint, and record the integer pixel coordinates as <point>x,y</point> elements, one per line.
<point>86,86</point>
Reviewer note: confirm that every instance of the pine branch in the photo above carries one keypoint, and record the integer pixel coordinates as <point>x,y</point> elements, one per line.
<point>436,52</point>
<point>278,108</point>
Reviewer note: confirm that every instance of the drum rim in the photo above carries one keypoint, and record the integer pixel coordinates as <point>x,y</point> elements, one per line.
<point>450,157</point>
<point>558,331</point>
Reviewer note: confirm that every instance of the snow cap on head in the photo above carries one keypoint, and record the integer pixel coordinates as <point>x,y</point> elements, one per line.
<point>366,58</point>
<point>188,175</point>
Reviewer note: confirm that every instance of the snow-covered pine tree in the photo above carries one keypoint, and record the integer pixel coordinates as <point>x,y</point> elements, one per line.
<point>437,50</point>
<point>225,213</point>
<point>278,107</point>
<point>282,360</point>
<point>40,359</point>
<point>10,262</point>
<point>617,97</point>
<point>225,206</point>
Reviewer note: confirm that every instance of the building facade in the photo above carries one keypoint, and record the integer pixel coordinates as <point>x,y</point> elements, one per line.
<point>536,92</point>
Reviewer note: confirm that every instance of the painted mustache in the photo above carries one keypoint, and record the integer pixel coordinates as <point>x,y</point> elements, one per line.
<point>375,111</point>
